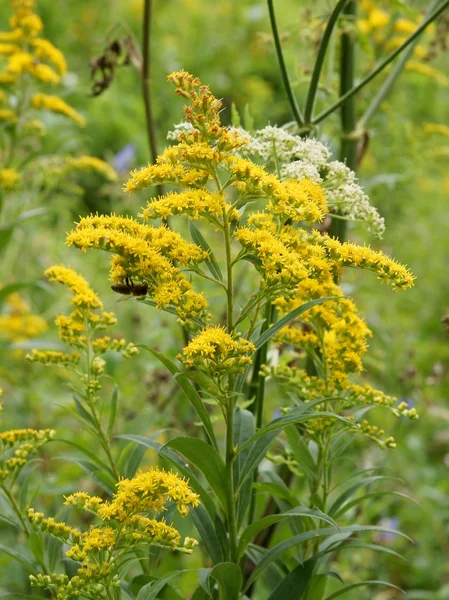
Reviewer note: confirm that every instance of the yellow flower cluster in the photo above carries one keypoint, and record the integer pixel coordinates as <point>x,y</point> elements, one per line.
<point>17,323</point>
<point>196,203</point>
<point>57,105</point>
<point>92,164</point>
<point>217,352</point>
<point>25,54</point>
<point>149,254</point>
<point>77,329</point>
<point>18,446</point>
<point>302,201</point>
<point>123,527</point>
<point>363,257</point>
<point>9,178</point>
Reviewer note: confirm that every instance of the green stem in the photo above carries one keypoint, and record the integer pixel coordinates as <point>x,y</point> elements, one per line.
<point>17,510</point>
<point>311,95</point>
<point>287,85</point>
<point>232,521</point>
<point>229,283</point>
<point>257,386</point>
<point>146,84</point>
<point>349,143</point>
<point>390,80</point>
<point>381,66</point>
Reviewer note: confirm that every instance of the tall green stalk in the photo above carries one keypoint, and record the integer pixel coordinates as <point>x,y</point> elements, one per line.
<point>348,116</point>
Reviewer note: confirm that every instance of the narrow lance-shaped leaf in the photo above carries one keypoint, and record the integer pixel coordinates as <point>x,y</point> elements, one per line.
<point>299,511</point>
<point>291,316</point>
<point>352,586</point>
<point>207,460</point>
<point>189,391</point>
<point>211,261</point>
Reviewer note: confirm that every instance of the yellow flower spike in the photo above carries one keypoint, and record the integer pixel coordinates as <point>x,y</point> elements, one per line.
<point>6,78</point>
<point>148,490</point>
<point>57,105</point>
<point>9,178</point>
<point>91,163</point>
<point>364,257</point>
<point>217,352</point>
<point>52,357</point>
<point>84,296</point>
<point>45,49</point>
<point>7,49</point>
<point>6,114</point>
<point>197,204</point>
<point>165,172</point>
<point>278,264</point>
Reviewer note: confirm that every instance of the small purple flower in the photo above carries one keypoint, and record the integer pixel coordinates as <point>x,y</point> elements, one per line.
<point>277,414</point>
<point>125,158</point>
<point>388,523</point>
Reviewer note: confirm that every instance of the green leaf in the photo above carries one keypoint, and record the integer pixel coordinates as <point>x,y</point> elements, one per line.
<point>244,428</point>
<point>19,556</point>
<point>278,550</point>
<point>134,460</point>
<point>211,262</point>
<point>113,410</point>
<point>352,586</point>
<point>189,391</point>
<point>90,455</point>
<point>379,494</point>
<point>296,415</point>
<point>301,452</point>
<point>101,478</point>
<point>36,545</point>
<point>268,334</point>
<point>277,490</point>
<point>54,552</point>
<point>83,413</point>
<point>208,461</point>
<point>316,588</point>
<point>229,579</point>
<point>252,530</point>
<point>347,494</point>
<point>294,584</point>
<point>151,590</point>
<point>235,117</point>
<point>209,534</point>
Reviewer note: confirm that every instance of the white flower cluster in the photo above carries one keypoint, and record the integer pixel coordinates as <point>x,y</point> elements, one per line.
<point>344,192</point>
<point>183,127</point>
<point>300,158</point>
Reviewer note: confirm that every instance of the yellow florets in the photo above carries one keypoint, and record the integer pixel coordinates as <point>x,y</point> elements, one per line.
<point>217,352</point>
<point>57,105</point>
<point>91,163</point>
<point>9,178</point>
<point>84,296</point>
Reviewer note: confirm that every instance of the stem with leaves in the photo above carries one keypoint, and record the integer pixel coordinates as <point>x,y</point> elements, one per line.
<point>297,115</point>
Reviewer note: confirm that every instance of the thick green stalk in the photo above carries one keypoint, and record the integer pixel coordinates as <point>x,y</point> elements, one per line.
<point>311,95</point>
<point>382,65</point>
<point>349,141</point>
<point>257,387</point>
<point>288,88</point>
<point>146,84</point>
<point>231,516</point>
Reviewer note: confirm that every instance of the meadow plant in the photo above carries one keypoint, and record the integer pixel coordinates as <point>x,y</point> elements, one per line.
<point>256,290</point>
<point>248,218</point>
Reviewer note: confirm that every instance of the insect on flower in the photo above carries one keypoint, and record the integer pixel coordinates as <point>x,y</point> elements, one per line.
<point>130,288</point>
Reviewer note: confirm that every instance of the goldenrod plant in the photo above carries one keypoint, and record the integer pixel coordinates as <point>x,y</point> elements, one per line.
<point>251,218</point>
<point>235,235</point>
